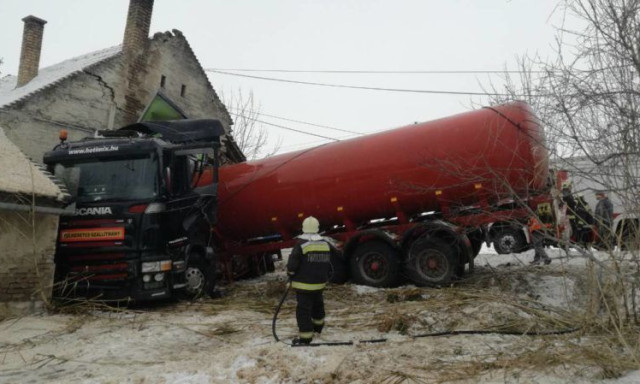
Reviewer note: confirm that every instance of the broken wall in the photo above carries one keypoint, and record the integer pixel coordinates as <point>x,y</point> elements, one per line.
<point>28,245</point>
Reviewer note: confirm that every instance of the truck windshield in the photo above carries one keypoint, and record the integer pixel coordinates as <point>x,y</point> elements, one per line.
<point>110,179</point>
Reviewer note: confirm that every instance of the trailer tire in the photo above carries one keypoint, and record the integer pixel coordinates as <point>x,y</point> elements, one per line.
<point>508,240</point>
<point>375,264</point>
<point>431,262</point>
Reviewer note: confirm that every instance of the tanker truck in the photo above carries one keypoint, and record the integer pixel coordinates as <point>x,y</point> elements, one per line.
<point>413,202</point>
<point>156,215</point>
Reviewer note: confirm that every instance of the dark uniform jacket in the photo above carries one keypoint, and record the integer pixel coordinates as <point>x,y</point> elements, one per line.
<point>309,264</point>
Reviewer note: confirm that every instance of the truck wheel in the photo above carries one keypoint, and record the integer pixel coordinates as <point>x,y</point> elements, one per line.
<point>375,264</point>
<point>199,276</point>
<point>195,280</point>
<point>508,240</point>
<point>431,262</point>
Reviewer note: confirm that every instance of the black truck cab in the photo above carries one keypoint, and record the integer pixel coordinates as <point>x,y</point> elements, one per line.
<point>145,200</point>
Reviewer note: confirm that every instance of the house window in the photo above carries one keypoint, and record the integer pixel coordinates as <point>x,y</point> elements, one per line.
<point>163,80</point>
<point>183,90</point>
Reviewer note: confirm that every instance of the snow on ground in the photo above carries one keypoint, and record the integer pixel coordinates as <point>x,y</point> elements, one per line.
<point>228,340</point>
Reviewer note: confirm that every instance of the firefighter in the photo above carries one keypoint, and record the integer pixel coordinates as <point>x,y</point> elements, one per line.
<point>309,268</point>
<point>537,231</point>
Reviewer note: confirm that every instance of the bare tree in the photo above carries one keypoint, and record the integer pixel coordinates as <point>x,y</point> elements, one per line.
<point>587,97</point>
<point>251,136</point>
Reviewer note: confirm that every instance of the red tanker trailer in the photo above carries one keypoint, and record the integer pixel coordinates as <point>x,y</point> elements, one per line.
<point>410,201</point>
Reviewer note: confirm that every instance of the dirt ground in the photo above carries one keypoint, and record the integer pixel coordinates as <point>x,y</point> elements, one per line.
<point>527,323</point>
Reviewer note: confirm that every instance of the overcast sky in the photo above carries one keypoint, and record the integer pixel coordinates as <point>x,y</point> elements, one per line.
<point>350,35</point>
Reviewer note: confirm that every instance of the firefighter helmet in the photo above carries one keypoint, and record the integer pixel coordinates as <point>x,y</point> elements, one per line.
<point>310,225</point>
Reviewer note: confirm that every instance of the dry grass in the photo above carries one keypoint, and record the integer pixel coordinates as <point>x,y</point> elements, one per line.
<point>411,294</point>
<point>491,300</point>
<point>224,329</point>
<point>594,359</point>
<point>501,303</point>
<point>82,307</point>
<point>400,322</point>
<point>275,288</point>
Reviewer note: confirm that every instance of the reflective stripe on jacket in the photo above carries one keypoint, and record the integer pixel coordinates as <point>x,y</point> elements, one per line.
<point>307,287</point>
<point>309,264</point>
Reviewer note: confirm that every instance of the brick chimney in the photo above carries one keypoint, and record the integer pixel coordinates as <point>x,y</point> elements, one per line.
<point>31,47</point>
<point>136,33</point>
<point>136,40</point>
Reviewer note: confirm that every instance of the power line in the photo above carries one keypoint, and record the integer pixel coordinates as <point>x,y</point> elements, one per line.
<point>391,72</point>
<point>287,128</point>
<point>305,144</point>
<point>368,88</point>
<point>302,122</point>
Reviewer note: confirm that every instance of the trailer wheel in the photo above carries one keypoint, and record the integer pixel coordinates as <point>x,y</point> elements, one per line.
<point>508,240</point>
<point>375,264</point>
<point>431,262</point>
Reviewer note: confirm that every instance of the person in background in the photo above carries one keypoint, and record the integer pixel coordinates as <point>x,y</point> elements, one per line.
<point>604,218</point>
<point>537,231</point>
<point>310,268</point>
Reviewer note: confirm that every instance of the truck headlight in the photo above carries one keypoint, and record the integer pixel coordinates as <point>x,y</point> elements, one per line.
<point>156,266</point>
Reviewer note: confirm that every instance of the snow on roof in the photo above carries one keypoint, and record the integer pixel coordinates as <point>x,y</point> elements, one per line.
<point>51,75</point>
<point>19,175</point>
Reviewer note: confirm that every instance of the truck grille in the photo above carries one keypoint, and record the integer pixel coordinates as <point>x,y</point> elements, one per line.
<point>102,272</point>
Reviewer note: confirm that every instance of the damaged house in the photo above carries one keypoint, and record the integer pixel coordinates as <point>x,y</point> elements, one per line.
<point>158,78</point>
<point>29,207</point>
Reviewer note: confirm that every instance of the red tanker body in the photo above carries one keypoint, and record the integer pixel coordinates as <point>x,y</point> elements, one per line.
<point>466,163</point>
<point>500,148</point>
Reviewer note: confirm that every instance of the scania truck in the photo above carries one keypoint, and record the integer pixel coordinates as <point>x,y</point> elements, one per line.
<point>409,204</point>
<point>141,227</point>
